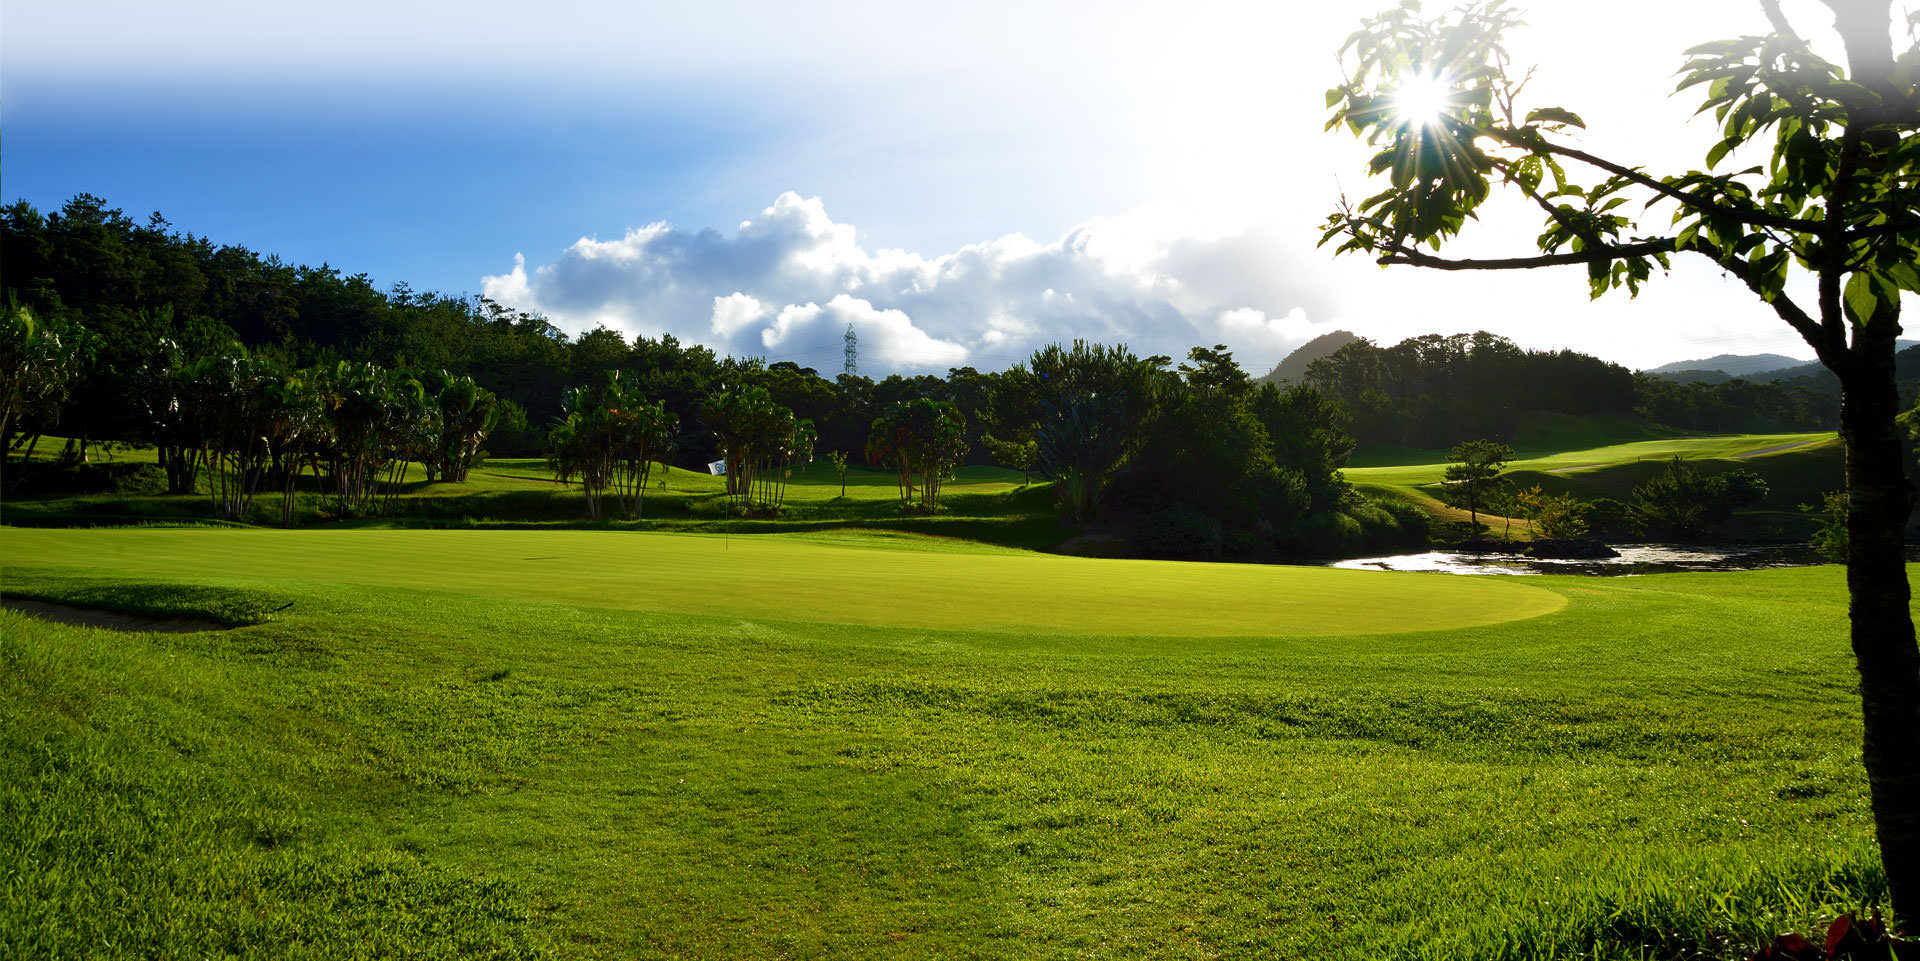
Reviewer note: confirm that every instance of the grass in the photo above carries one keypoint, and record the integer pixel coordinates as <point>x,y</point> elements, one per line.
<point>390,761</point>
<point>1590,460</point>
<point>1797,468</point>
<point>986,504</point>
<point>841,580</point>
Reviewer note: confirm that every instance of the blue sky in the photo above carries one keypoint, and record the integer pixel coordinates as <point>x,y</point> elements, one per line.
<point>427,186</point>
<point>960,183</point>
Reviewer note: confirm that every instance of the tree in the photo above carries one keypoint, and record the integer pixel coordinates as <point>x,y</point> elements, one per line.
<point>1309,436</point>
<point>372,417</point>
<point>919,438</point>
<point>1682,503</point>
<point>610,437</point>
<point>165,395</point>
<point>761,442</point>
<point>466,414</point>
<point>1556,516</point>
<point>1017,455</point>
<point>1086,407</point>
<point>838,458</point>
<point>1834,203</point>
<point>641,435</point>
<point>1473,475</point>
<point>36,370</point>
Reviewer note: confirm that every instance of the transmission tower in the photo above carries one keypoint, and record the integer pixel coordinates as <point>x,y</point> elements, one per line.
<point>853,352</point>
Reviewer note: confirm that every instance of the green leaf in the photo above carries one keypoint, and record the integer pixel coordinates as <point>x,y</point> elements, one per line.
<point>1719,152</point>
<point>1556,115</point>
<point>1860,297</point>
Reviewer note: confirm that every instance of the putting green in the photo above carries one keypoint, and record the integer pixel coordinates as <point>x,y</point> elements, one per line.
<point>768,576</point>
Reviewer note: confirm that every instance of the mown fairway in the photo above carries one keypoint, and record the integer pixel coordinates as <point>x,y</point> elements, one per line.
<point>1796,467</point>
<point>397,759</point>
<point>1735,447</point>
<point>847,579</point>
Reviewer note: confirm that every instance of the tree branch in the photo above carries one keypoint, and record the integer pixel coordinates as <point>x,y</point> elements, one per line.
<point>1753,218</point>
<point>1779,21</point>
<point>1891,228</point>
<point>1830,349</point>
<point>1415,258</point>
<point>1552,209</point>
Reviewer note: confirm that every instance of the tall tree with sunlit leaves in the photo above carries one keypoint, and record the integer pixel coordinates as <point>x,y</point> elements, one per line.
<point>1816,217</point>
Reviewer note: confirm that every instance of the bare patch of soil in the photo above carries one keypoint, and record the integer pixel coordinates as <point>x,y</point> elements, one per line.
<point>110,620</point>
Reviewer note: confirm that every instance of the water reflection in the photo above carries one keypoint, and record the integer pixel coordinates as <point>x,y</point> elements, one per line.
<point>1633,559</point>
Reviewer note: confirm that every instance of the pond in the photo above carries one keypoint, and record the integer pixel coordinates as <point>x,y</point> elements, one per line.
<point>1633,559</point>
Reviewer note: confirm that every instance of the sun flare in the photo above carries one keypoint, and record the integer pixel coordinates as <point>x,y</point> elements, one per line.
<point>1420,98</point>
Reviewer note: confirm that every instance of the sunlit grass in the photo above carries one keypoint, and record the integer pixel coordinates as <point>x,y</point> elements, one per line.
<point>1797,468</point>
<point>841,581</point>
<point>1668,765</point>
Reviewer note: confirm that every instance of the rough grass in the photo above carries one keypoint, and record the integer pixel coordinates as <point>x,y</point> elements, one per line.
<point>1667,767</point>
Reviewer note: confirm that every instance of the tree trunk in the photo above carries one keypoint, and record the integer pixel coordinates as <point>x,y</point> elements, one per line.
<point>1880,500</point>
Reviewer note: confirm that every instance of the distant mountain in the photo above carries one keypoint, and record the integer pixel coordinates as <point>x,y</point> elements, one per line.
<point>1733,365</point>
<point>1813,377</point>
<point>1762,368</point>
<point>1294,368</point>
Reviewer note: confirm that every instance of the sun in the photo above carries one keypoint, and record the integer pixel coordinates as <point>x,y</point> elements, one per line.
<point>1421,98</point>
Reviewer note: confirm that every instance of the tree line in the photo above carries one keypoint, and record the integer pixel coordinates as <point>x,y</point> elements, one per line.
<point>248,373</point>
<point>1436,391</point>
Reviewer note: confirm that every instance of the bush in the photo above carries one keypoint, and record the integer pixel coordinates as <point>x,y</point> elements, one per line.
<point>1331,534</point>
<point>1379,529</point>
<point>1416,525</point>
<point>1181,531</point>
<point>1682,503</point>
<point>1610,519</point>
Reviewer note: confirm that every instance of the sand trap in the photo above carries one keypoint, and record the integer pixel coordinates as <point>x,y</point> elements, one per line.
<point>111,620</point>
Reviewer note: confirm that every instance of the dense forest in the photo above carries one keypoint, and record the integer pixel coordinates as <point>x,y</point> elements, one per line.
<point>1436,391</point>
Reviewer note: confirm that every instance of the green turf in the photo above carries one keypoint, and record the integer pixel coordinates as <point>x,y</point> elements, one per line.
<point>1666,767</point>
<point>1796,467</point>
<point>845,581</point>
<point>1659,452</point>
<point>985,504</point>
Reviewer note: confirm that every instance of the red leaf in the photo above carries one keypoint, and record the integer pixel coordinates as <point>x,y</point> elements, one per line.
<point>1838,931</point>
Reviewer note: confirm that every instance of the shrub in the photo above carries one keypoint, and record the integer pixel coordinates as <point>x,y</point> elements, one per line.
<point>1181,531</point>
<point>1331,534</point>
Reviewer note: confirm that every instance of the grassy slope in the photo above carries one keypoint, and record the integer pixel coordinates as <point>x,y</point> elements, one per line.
<point>1797,468</point>
<point>1663,761</point>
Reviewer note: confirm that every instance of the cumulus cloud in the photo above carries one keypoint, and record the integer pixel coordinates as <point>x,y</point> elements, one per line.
<point>890,337</point>
<point>788,282</point>
<point>735,312</point>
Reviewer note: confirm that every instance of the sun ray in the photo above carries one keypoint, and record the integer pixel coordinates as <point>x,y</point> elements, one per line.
<point>1421,98</point>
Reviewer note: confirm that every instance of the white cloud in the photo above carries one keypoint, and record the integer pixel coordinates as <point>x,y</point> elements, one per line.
<point>788,281</point>
<point>886,336</point>
<point>734,312</point>
<point>1250,326</point>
